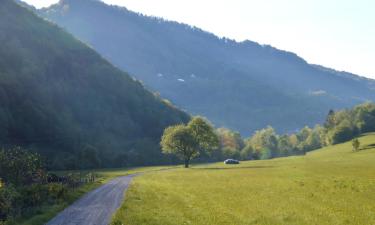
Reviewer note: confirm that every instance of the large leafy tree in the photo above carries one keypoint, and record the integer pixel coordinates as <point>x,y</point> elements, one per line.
<point>187,141</point>
<point>204,134</point>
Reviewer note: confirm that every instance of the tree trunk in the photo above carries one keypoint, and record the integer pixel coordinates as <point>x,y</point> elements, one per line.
<point>187,163</point>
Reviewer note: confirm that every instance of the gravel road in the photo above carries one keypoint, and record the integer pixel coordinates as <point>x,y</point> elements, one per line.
<point>96,207</point>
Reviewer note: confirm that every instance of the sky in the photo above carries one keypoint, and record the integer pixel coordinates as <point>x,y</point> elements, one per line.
<point>339,34</point>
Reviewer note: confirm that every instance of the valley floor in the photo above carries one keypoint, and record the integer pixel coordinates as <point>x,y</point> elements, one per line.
<point>329,186</point>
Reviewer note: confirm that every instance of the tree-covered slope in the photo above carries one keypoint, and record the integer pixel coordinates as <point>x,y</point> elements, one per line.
<point>241,85</point>
<point>60,97</point>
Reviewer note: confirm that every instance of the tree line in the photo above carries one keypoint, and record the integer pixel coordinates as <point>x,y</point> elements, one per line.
<point>339,126</point>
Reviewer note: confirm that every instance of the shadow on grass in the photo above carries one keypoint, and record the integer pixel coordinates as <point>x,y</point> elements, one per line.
<point>370,146</point>
<point>233,168</point>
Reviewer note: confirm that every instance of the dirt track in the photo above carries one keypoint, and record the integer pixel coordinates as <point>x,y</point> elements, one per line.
<point>96,207</point>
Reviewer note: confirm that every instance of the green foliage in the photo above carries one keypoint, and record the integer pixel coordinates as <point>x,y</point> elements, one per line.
<point>264,143</point>
<point>316,138</point>
<point>330,120</point>
<point>356,144</point>
<point>339,127</point>
<point>231,144</point>
<point>57,191</point>
<point>20,167</point>
<point>8,201</point>
<point>349,123</point>
<point>33,195</point>
<point>24,182</point>
<point>285,145</point>
<point>25,186</point>
<point>187,141</point>
<point>265,153</point>
<point>248,153</point>
<point>203,133</point>
<point>179,140</point>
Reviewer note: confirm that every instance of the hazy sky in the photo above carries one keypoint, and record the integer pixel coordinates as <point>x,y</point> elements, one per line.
<point>335,33</point>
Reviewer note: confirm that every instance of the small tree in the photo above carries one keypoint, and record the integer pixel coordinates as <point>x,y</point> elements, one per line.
<point>355,144</point>
<point>186,141</point>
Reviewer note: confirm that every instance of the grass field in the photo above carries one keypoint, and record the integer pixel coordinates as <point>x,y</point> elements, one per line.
<point>330,186</point>
<point>48,211</point>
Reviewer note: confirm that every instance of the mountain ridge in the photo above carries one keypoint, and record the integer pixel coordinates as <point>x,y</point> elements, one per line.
<point>64,100</point>
<point>240,85</point>
<point>194,27</point>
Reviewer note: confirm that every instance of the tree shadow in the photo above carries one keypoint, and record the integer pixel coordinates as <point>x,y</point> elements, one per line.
<point>370,146</point>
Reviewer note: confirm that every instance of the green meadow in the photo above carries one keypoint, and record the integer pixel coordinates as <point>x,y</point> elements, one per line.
<point>332,185</point>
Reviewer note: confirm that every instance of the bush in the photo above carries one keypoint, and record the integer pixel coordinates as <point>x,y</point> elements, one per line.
<point>355,144</point>
<point>8,201</point>
<point>33,195</point>
<point>57,191</point>
<point>20,167</point>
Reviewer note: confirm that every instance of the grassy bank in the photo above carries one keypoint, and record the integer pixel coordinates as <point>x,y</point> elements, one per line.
<point>329,186</point>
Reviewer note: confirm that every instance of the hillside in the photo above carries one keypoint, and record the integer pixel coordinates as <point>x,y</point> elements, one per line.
<point>61,98</point>
<point>240,85</point>
<point>330,186</point>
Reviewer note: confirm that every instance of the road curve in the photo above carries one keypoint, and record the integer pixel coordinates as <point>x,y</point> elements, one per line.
<point>97,206</point>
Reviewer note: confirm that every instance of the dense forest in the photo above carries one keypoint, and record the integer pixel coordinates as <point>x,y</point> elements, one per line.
<point>243,86</point>
<point>62,99</point>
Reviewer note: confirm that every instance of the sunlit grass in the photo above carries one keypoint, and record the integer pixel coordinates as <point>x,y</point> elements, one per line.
<point>330,186</point>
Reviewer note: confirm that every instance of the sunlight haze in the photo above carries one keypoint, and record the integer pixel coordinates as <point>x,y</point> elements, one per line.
<point>138,112</point>
<point>335,34</point>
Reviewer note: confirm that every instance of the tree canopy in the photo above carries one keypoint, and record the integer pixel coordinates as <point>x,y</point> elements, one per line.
<point>188,141</point>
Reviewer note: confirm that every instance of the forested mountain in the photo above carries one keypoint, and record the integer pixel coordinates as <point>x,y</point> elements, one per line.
<point>240,85</point>
<point>61,98</point>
